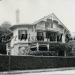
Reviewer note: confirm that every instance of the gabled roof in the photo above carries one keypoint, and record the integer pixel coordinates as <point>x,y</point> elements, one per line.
<point>50,16</point>
<point>53,17</point>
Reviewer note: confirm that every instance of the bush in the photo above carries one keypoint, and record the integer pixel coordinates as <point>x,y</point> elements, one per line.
<point>61,47</point>
<point>41,53</point>
<point>55,49</point>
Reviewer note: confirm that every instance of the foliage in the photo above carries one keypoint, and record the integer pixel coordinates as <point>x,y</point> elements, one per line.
<point>34,62</point>
<point>41,53</point>
<point>54,48</point>
<point>59,46</point>
<point>68,37</point>
<point>4,31</point>
<point>2,48</point>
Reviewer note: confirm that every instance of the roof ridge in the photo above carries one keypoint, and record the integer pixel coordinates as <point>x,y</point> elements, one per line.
<point>42,18</point>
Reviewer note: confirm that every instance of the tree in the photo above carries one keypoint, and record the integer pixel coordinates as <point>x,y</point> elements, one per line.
<point>4,36</point>
<point>68,37</point>
<point>5,25</point>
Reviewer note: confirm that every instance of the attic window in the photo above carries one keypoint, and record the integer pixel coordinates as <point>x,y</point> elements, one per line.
<point>49,23</point>
<point>55,21</point>
<point>22,34</point>
<point>46,25</point>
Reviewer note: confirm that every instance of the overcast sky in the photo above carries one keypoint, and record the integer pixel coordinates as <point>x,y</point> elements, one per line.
<point>32,10</point>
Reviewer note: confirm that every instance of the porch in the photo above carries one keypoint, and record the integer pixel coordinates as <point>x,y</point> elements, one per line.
<point>47,36</point>
<point>47,49</point>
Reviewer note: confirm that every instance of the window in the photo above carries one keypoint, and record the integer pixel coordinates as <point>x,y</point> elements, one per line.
<point>33,49</point>
<point>47,34</point>
<point>43,48</point>
<point>40,36</point>
<point>22,34</point>
<point>46,25</point>
<point>51,36</point>
<point>49,23</point>
<point>59,38</point>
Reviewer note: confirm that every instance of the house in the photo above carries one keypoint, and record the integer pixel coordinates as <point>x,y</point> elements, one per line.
<point>37,36</point>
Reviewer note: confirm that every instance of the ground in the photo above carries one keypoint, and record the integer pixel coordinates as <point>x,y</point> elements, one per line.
<point>70,71</point>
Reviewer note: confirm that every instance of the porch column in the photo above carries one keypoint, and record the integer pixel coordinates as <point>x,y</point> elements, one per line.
<point>63,38</point>
<point>64,53</point>
<point>56,38</point>
<point>45,39</point>
<point>48,47</point>
<point>57,53</point>
<point>37,47</point>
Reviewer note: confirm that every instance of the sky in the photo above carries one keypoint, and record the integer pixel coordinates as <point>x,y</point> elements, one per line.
<point>32,10</point>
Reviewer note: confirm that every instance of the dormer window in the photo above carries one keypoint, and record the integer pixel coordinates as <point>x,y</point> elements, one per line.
<point>22,34</point>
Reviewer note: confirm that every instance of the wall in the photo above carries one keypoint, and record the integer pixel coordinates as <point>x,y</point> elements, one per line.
<point>14,50</point>
<point>57,27</point>
<point>40,26</point>
<point>32,33</point>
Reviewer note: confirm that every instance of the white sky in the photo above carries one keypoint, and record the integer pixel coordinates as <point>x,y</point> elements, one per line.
<point>32,10</point>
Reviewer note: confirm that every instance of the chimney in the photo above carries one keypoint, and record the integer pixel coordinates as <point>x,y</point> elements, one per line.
<point>17,16</point>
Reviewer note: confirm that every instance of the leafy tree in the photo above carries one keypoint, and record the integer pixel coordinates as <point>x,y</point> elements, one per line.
<point>68,37</point>
<point>4,36</point>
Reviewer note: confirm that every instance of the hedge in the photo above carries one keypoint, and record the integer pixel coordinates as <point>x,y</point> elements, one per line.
<point>35,62</point>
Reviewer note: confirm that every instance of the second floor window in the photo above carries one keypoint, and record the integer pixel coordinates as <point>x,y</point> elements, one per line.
<point>22,34</point>
<point>59,38</point>
<point>40,36</point>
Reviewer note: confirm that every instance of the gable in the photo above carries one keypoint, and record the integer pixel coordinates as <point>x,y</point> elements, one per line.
<point>40,25</point>
<point>54,19</point>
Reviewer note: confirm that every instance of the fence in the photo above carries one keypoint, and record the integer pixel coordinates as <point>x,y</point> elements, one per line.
<point>31,62</point>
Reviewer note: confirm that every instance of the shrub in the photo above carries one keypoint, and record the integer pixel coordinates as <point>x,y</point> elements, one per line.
<point>55,49</point>
<point>61,47</point>
<point>41,53</point>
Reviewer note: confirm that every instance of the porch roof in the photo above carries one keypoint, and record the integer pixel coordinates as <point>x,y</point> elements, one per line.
<point>51,30</point>
<point>21,25</point>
